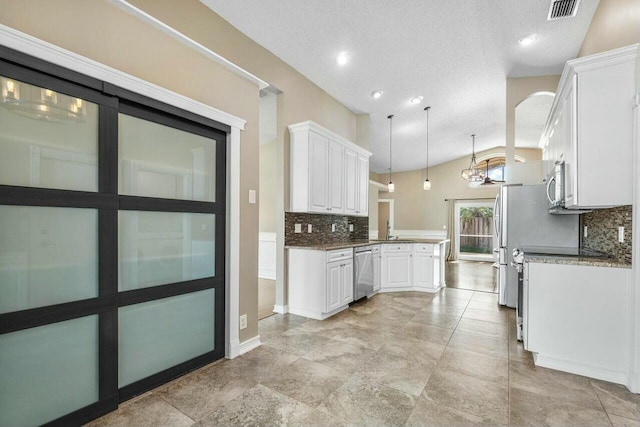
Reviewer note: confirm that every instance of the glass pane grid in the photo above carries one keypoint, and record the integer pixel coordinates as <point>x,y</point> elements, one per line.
<point>47,139</point>
<point>159,248</point>
<point>164,162</point>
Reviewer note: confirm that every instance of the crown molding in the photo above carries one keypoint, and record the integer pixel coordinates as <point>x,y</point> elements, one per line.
<point>182,38</point>
<point>46,51</point>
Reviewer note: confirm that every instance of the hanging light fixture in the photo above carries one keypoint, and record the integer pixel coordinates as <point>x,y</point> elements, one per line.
<point>40,103</point>
<point>473,173</point>
<point>391,187</point>
<point>427,184</point>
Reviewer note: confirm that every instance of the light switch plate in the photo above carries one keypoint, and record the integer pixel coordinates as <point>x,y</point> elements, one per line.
<point>333,228</point>
<point>586,233</point>
<point>298,228</point>
<point>252,197</point>
<point>350,227</point>
<point>243,321</point>
<point>621,234</point>
<point>309,228</point>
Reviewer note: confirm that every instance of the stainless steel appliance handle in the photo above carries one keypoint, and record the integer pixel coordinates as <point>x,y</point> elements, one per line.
<point>363,253</point>
<point>495,223</point>
<point>551,180</point>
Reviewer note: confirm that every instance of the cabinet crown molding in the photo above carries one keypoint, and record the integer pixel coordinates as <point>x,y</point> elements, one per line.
<point>581,65</point>
<point>321,130</point>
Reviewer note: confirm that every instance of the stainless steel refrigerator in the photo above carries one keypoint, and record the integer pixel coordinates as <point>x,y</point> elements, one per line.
<point>521,219</point>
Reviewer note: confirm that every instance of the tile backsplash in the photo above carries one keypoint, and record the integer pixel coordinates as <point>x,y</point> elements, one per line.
<point>602,231</point>
<point>321,228</point>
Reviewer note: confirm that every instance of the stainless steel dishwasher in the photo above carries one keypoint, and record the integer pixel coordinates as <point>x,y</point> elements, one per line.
<point>363,271</point>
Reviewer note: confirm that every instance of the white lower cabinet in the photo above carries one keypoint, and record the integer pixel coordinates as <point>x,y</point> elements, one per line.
<point>376,268</point>
<point>339,284</point>
<point>320,282</point>
<point>575,318</point>
<point>423,270</point>
<point>406,266</point>
<point>396,266</point>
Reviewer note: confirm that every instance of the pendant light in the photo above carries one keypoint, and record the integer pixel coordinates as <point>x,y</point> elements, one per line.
<point>427,184</point>
<point>391,187</point>
<point>473,173</point>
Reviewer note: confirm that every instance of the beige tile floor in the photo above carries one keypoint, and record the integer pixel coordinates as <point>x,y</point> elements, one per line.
<point>413,359</point>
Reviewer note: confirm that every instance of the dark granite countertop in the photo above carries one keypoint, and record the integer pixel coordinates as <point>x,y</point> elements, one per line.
<point>573,260</point>
<point>358,243</point>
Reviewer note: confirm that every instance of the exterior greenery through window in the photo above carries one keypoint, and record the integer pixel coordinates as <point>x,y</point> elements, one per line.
<point>476,230</point>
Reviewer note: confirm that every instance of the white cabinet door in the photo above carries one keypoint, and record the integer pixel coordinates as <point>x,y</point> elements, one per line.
<point>575,314</point>
<point>376,273</point>
<point>334,285</point>
<point>423,270</point>
<point>318,173</point>
<point>396,270</point>
<point>362,208</point>
<point>347,283</point>
<point>336,177</point>
<point>569,145</point>
<point>351,179</point>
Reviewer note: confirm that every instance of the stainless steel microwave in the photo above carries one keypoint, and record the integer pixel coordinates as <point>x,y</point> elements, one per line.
<point>555,187</point>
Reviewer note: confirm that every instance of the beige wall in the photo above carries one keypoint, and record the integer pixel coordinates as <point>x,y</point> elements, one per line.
<point>616,23</point>
<point>103,32</point>
<point>268,183</point>
<point>416,209</point>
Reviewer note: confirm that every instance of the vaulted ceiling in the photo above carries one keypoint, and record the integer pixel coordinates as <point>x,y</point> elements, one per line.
<point>457,54</point>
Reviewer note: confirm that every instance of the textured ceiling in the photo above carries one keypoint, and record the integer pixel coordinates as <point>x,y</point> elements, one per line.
<point>455,53</point>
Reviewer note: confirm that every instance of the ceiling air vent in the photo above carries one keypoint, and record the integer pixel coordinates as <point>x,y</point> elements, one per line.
<point>561,9</point>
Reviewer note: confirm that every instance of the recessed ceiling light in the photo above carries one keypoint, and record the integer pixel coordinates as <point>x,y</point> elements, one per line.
<point>527,40</point>
<point>376,94</point>
<point>416,99</point>
<point>343,58</point>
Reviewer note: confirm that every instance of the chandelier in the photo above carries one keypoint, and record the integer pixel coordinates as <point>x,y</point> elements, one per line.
<point>473,173</point>
<point>40,103</point>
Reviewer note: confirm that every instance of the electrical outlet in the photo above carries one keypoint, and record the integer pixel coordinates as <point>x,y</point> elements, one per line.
<point>243,321</point>
<point>298,228</point>
<point>350,227</point>
<point>252,197</point>
<point>309,228</point>
<point>444,227</point>
<point>333,228</point>
<point>621,234</point>
<point>586,233</point>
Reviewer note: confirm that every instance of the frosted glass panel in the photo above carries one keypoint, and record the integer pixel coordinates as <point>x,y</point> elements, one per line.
<point>48,371</point>
<point>160,161</point>
<point>157,335</point>
<point>157,248</point>
<point>47,256</point>
<point>47,139</point>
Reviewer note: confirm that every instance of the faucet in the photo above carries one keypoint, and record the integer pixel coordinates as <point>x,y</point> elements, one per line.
<point>388,236</point>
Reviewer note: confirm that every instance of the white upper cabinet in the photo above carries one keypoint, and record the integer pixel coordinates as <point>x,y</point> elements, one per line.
<point>328,173</point>
<point>318,173</point>
<point>590,129</point>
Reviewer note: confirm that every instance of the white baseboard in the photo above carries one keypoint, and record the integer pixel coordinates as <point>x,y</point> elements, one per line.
<point>244,347</point>
<point>281,309</point>
<point>420,234</point>
<point>599,373</point>
<point>314,314</point>
<point>410,289</point>
<point>633,383</point>
<point>268,274</point>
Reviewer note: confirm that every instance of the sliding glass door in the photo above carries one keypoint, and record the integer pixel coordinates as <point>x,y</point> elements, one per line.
<point>474,230</point>
<point>112,242</point>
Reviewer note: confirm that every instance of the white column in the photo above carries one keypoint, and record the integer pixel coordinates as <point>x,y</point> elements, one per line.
<point>233,244</point>
<point>634,369</point>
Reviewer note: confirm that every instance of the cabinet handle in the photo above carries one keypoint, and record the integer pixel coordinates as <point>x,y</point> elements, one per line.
<point>328,209</point>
